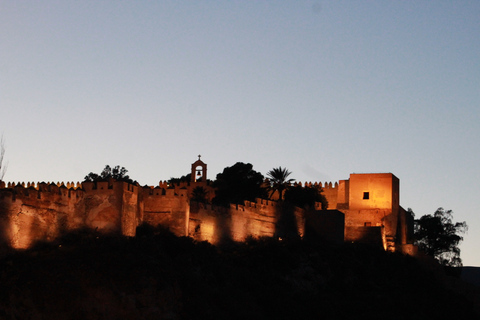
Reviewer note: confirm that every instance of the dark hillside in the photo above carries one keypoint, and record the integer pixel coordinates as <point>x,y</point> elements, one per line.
<point>159,276</point>
<point>471,275</point>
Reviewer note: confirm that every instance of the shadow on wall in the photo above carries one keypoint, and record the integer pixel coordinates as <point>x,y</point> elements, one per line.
<point>62,224</point>
<point>325,225</point>
<point>209,223</point>
<point>286,227</point>
<point>21,227</point>
<point>4,240</point>
<point>366,235</point>
<point>223,229</point>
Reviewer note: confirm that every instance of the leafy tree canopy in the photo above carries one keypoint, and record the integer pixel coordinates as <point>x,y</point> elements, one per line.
<point>117,173</point>
<point>237,184</point>
<point>439,237</point>
<point>305,197</point>
<point>185,178</point>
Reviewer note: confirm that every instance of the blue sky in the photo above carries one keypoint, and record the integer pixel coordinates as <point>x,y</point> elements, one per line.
<point>324,88</point>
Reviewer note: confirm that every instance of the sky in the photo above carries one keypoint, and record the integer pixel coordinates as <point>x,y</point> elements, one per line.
<point>323,88</point>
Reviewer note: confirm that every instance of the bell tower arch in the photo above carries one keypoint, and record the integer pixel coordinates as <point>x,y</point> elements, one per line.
<point>199,171</point>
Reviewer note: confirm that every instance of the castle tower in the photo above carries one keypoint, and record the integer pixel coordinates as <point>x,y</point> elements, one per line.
<point>199,171</point>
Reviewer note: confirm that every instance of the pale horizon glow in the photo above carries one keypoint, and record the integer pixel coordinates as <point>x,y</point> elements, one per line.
<point>323,88</point>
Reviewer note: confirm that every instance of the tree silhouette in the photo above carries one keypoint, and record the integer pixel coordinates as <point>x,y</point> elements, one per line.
<point>185,178</point>
<point>3,166</point>
<point>199,194</point>
<point>306,197</point>
<point>278,179</point>
<point>439,237</point>
<point>237,184</point>
<point>117,173</point>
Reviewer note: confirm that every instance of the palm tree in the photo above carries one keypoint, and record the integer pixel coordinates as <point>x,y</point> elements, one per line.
<point>199,194</point>
<point>279,181</point>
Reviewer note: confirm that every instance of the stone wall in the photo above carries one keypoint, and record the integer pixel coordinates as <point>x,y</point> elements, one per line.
<point>373,191</point>
<point>42,212</point>
<point>167,207</point>
<point>103,206</point>
<point>31,212</point>
<point>239,222</point>
<point>368,235</point>
<point>30,215</point>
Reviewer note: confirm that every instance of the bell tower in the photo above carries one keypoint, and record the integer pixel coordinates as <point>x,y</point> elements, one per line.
<point>199,171</point>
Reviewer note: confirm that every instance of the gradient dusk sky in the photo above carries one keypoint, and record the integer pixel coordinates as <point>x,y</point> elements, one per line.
<point>324,88</point>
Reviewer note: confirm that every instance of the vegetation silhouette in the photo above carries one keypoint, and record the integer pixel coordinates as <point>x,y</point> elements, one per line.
<point>186,178</point>
<point>237,184</point>
<point>117,173</point>
<point>3,165</point>
<point>278,181</point>
<point>156,275</point>
<point>306,197</point>
<point>286,227</point>
<point>289,197</point>
<point>199,194</point>
<point>159,275</point>
<point>439,237</point>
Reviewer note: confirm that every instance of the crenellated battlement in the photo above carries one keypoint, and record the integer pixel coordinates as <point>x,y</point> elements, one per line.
<point>163,184</point>
<point>104,185</point>
<point>41,190</point>
<point>209,207</point>
<point>39,185</point>
<point>259,204</point>
<point>164,192</point>
<point>36,211</point>
<point>40,210</point>
<point>326,185</point>
<point>154,191</point>
<point>182,184</point>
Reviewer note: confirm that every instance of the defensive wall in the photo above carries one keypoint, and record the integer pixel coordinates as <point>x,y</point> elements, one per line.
<point>263,218</point>
<point>363,208</point>
<point>38,212</point>
<point>165,206</point>
<point>43,211</point>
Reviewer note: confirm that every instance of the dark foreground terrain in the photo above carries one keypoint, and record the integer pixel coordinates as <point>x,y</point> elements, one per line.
<point>159,276</point>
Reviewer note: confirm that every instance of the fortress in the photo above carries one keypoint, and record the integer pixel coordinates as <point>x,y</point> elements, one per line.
<point>363,208</point>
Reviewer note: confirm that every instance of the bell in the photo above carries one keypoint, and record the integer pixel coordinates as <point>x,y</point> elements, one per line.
<point>199,173</point>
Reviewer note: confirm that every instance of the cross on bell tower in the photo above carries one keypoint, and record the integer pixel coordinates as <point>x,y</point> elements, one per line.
<point>199,171</point>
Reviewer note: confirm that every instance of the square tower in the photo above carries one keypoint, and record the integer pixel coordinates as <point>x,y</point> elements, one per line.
<point>373,191</point>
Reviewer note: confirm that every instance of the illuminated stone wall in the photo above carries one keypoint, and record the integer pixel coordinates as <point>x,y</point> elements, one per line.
<point>188,187</point>
<point>31,212</point>
<point>373,191</point>
<point>42,212</point>
<point>166,207</point>
<point>370,203</point>
<point>239,222</point>
<point>103,205</point>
